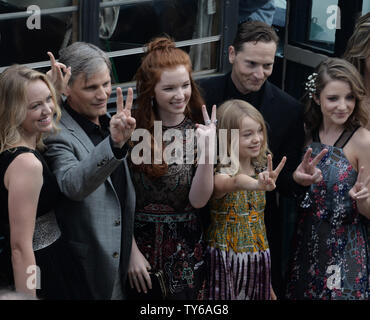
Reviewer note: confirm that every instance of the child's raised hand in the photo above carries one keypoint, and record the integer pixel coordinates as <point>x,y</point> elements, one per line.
<point>265,182</point>
<point>267,179</point>
<point>274,174</point>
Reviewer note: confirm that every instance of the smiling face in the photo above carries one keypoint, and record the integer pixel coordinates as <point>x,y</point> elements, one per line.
<point>172,94</point>
<point>40,109</point>
<point>251,138</point>
<point>252,65</point>
<point>337,102</point>
<point>90,97</point>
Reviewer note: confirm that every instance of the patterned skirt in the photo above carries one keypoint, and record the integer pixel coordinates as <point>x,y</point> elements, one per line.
<point>238,276</point>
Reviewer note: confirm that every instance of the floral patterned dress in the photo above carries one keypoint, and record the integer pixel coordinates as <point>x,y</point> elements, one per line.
<point>331,256</point>
<point>167,229</point>
<point>238,254</point>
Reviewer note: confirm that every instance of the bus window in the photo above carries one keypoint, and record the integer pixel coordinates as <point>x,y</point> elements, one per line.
<point>130,26</point>
<point>324,22</point>
<point>30,28</point>
<point>365,7</point>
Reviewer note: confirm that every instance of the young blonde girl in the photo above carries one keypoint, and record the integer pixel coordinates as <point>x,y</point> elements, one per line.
<point>238,252</point>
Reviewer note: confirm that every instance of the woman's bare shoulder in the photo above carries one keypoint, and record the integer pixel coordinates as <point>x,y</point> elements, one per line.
<point>362,138</point>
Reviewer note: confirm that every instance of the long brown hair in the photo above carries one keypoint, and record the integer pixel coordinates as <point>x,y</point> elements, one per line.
<point>329,70</point>
<point>161,53</point>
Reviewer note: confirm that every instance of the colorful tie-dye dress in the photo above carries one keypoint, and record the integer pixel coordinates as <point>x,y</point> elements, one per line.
<point>238,254</point>
<point>331,256</point>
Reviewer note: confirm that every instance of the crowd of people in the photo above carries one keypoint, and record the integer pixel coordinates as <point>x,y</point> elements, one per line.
<point>175,196</point>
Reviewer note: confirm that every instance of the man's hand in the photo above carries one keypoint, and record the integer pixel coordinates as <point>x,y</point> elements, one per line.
<point>122,124</point>
<point>59,74</point>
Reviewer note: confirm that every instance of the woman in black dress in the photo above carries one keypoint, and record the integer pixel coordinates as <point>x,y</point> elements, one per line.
<point>32,253</point>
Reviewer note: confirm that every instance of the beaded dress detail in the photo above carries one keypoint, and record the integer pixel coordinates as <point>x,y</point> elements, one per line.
<point>331,256</point>
<point>167,228</point>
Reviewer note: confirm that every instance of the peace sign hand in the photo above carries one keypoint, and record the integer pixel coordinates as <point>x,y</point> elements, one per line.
<point>206,135</point>
<point>307,173</point>
<point>59,74</point>
<point>360,191</point>
<point>267,179</point>
<point>122,124</point>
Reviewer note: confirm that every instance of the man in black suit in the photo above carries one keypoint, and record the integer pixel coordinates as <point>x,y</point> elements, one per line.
<point>252,56</point>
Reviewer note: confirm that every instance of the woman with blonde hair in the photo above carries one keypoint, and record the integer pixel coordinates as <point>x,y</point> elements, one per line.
<point>31,249</point>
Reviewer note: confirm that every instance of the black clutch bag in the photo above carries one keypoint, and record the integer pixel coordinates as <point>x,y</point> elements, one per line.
<point>158,291</point>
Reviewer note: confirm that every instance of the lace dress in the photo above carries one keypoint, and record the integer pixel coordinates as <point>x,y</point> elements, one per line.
<point>331,255</point>
<point>167,228</point>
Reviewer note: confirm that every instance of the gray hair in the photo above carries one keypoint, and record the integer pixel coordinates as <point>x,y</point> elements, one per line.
<point>83,58</point>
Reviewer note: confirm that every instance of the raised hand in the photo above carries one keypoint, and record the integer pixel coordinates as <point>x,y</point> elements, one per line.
<point>307,173</point>
<point>122,124</point>
<point>267,179</point>
<point>59,74</point>
<point>206,135</point>
<point>360,191</point>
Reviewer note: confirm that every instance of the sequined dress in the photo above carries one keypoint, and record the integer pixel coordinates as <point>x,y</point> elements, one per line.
<point>167,228</point>
<point>331,255</point>
<point>238,254</point>
<point>52,256</point>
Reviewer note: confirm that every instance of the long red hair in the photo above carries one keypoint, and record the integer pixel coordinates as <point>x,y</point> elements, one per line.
<point>161,54</point>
